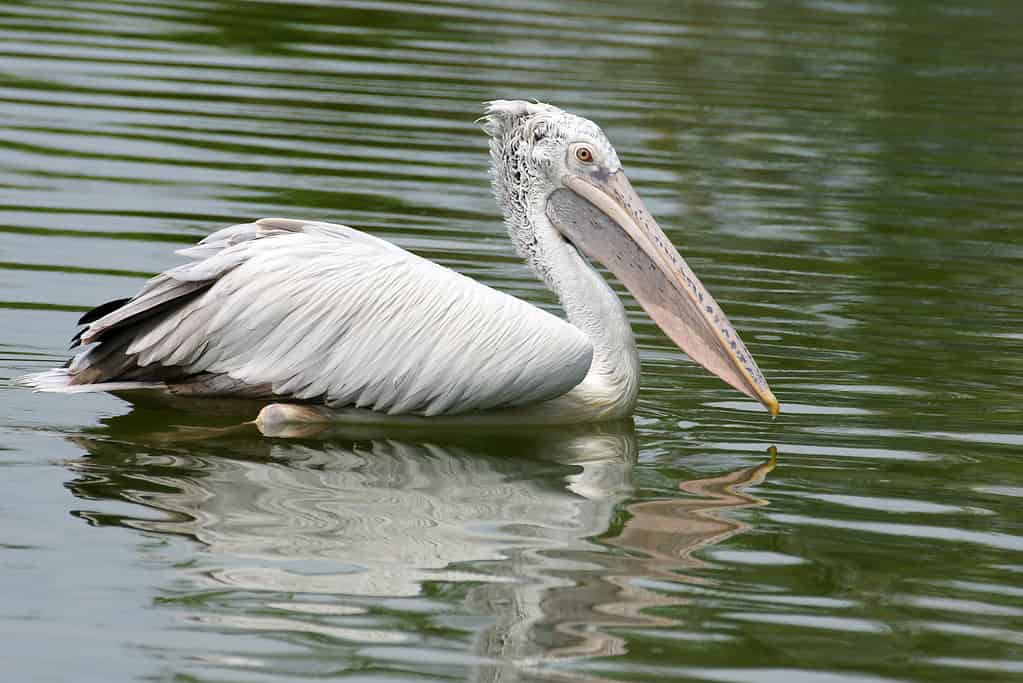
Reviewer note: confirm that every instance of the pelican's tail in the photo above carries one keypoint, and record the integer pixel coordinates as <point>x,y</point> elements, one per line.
<point>60,381</point>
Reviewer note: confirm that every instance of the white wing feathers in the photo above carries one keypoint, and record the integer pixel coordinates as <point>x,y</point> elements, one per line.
<point>317,310</point>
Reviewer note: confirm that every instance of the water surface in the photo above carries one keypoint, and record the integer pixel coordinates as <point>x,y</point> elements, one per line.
<point>845,177</point>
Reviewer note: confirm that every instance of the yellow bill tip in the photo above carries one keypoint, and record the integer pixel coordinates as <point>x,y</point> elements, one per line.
<point>772,405</point>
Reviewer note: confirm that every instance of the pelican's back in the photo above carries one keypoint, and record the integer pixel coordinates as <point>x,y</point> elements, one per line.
<point>315,311</point>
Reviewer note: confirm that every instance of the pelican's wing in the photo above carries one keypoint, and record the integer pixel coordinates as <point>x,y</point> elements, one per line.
<point>320,311</point>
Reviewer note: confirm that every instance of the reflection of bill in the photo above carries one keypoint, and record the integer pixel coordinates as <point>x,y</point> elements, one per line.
<point>660,538</point>
<point>348,520</point>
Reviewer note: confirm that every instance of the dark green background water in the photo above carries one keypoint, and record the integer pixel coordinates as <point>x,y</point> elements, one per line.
<point>847,177</point>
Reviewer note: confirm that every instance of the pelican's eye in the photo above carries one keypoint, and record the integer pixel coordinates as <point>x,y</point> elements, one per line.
<point>584,154</point>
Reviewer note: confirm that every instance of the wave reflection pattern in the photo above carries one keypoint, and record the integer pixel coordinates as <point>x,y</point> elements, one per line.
<point>345,539</point>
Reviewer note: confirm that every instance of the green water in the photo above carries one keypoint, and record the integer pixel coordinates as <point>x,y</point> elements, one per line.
<point>846,177</point>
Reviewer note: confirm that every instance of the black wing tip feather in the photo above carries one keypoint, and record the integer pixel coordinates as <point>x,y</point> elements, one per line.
<point>94,315</point>
<point>102,310</point>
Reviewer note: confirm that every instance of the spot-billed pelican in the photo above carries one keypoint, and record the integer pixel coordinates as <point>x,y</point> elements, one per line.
<point>304,311</point>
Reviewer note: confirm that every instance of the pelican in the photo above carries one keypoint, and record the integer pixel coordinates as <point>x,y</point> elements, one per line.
<point>331,322</point>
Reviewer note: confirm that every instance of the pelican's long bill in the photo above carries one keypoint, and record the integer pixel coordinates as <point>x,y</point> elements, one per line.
<point>602,215</point>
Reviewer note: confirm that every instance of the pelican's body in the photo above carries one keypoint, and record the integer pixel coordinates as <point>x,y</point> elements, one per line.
<point>312,312</point>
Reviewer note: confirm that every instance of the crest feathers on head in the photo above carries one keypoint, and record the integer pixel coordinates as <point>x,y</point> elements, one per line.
<point>502,116</point>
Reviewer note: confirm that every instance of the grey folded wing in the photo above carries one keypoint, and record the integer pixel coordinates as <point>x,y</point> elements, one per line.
<point>310,310</point>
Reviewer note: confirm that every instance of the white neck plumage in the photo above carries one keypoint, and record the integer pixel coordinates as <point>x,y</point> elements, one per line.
<point>612,384</point>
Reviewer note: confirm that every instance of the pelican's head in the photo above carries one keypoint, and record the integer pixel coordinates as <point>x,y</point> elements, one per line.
<point>553,167</point>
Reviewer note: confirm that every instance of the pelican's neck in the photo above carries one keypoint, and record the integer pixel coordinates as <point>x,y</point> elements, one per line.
<point>592,306</point>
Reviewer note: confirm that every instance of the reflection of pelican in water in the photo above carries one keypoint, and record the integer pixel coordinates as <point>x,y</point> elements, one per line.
<point>331,530</point>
